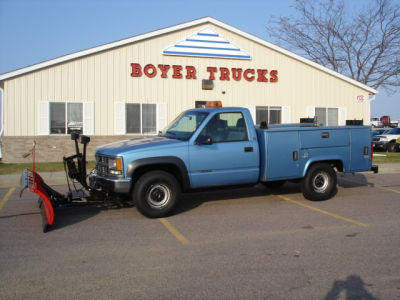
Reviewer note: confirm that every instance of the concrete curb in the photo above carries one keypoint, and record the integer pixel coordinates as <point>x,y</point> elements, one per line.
<point>54,178</point>
<point>389,168</point>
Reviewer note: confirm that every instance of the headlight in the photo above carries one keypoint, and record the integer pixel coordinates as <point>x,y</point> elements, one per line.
<point>115,166</point>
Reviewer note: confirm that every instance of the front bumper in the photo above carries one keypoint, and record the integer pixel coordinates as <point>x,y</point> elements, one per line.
<point>380,145</point>
<point>116,185</point>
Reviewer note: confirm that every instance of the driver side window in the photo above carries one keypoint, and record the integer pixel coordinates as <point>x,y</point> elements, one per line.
<point>226,127</point>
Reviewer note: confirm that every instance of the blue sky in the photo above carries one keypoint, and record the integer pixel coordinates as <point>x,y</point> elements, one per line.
<point>33,31</point>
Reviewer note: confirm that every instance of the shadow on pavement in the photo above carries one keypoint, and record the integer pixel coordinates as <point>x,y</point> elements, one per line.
<point>353,286</point>
<point>66,216</point>
<point>352,181</point>
<point>192,200</point>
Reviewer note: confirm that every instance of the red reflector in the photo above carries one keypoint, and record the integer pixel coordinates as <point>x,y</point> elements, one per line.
<point>372,150</point>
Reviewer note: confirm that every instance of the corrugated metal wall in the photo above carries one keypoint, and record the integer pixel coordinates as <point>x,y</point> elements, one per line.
<point>104,78</point>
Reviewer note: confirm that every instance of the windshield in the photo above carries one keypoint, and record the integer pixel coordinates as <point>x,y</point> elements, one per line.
<point>184,125</point>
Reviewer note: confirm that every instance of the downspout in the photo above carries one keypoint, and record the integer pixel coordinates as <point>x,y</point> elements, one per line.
<point>371,97</point>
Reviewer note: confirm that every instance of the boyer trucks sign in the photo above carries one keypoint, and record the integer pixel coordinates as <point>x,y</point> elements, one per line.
<point>214,73</point>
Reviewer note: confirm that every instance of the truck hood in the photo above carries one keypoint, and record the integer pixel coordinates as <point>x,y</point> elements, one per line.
<point>137,144</point>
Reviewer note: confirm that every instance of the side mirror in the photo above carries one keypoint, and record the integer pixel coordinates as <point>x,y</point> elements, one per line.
<point>203,140</point>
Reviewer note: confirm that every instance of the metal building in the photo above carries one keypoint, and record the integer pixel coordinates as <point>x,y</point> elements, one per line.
<point>135,86</point>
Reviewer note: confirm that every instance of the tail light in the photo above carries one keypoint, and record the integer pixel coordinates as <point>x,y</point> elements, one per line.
<point>372,150</point>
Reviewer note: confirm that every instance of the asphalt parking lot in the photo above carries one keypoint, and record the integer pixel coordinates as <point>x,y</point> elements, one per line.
<point>248,243</point>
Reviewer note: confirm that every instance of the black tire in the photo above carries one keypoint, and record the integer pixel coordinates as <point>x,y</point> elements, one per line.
<point>274,184</point>
<point>156,194</point>
<point>392,147</point>
<point>319,183</point>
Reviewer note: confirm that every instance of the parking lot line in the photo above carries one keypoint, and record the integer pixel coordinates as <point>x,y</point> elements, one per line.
<point>174,231</point>
<point>371,185</point>
<point>6,197</point>
<point>322,211</point>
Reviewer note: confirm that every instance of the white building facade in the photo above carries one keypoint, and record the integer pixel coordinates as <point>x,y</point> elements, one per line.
<point>134,87</point>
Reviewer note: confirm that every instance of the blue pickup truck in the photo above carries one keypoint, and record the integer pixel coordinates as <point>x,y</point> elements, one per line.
<point>212,147</point>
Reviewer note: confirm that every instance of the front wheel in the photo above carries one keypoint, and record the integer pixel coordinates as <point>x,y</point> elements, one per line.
<point>392,147</point>
<point>156,194</point>
<point>319,183</point>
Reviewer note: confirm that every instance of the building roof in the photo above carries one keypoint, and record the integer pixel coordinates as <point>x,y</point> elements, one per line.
<point>167,30</point>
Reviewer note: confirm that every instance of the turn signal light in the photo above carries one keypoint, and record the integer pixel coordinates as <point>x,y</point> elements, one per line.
<point>118,164</point>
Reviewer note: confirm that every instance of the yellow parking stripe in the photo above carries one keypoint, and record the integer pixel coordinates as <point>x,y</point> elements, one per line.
<point>174,231</point>
<point>322,211</point>
<point>6,197</point>
<point>371,185</point>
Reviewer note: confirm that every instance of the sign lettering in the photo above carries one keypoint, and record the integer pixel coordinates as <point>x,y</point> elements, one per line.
<point>190,72</point>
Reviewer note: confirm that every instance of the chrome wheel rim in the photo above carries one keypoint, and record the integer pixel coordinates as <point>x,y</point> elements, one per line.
<point>158,196</point>
<point>320,182</point>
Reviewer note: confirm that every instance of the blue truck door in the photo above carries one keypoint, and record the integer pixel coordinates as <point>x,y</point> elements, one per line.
<point>282,155</point>
<point>232,157</point>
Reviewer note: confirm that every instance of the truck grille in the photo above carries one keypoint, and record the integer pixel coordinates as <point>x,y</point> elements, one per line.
<point>102,165</point>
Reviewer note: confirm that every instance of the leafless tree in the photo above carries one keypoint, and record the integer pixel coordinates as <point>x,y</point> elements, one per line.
<point>363,44</point>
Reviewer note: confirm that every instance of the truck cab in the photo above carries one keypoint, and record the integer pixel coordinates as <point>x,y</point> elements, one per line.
<point>208,147</point>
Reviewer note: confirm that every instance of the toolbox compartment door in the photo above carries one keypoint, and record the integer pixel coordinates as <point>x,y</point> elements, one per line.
<point>282,155</point>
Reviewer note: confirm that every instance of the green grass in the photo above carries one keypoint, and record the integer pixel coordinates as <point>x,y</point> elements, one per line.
<point>387,157</point>
<point>40,167</point>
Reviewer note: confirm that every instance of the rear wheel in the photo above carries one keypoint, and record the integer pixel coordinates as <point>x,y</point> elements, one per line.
<point>156,194</point>
<point>319,183</point>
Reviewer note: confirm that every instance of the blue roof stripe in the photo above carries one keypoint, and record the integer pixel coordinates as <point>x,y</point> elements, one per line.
<point>207,41</point>
<point>210,48</point>
<point>208,34</point>
<point>206,54</point>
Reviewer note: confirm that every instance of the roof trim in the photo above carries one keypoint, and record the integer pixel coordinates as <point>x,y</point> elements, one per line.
<point>155,33</point>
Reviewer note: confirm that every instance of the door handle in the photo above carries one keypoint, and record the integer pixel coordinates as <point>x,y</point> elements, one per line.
<point>295,155</point>
<point>325,135</point>
<point>248,149</point>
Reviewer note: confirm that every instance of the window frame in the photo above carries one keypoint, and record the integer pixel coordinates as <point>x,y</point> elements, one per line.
<point>65,116</point>
<point>269,108</point>
<point>141,119</point>
<point>327,115</point>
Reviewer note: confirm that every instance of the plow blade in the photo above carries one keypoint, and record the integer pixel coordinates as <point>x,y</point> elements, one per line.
<point>34,182</point>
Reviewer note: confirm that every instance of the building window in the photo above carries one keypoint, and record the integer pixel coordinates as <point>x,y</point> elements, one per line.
<point>141,118</point>
<point>327,116</point>
<point>269,114</point>
<point>66,118</point>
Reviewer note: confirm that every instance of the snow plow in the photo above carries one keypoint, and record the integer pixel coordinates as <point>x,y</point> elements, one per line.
<point>80,194</point>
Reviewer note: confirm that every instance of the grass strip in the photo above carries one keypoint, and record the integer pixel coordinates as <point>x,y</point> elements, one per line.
<point>40,167</point>
<point>386,157</point>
